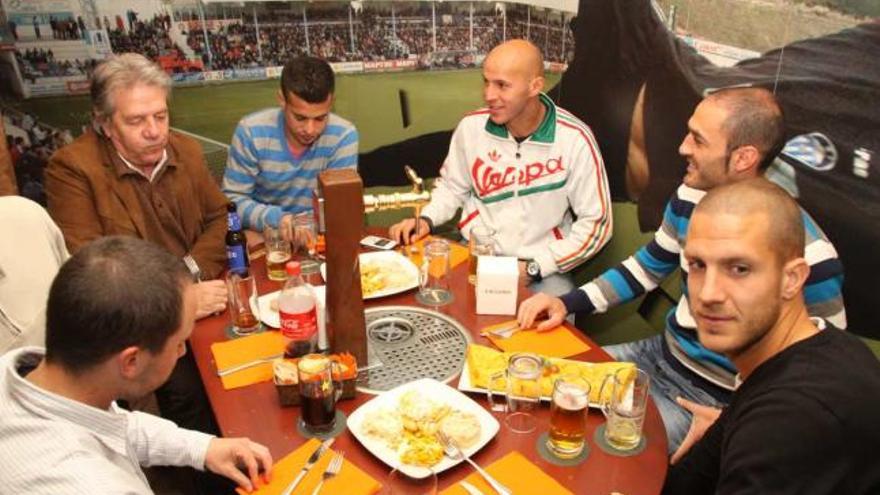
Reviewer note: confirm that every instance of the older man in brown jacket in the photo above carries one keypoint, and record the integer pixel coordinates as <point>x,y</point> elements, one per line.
<point>132,176</point>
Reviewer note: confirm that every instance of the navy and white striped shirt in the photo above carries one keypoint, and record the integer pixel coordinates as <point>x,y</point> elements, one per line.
<point>651,264</point>
<point>266,181</point>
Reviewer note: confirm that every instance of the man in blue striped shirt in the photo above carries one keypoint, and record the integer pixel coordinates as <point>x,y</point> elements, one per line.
<point>277,153</point>
<point>733,135</point>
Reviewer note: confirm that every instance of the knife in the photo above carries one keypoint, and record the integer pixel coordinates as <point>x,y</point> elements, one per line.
<point>471,489</point>
<point>311,462</point>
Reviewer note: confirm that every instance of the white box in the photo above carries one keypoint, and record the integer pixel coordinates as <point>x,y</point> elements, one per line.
<point>497,285</point>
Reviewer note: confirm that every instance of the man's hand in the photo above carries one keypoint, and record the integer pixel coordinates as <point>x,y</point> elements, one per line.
<point>211,297</point>
<point>286,227</point>
<point>233,457</point>
<point>403,231</point>
<point>539,304</point>
<point>703,418</point>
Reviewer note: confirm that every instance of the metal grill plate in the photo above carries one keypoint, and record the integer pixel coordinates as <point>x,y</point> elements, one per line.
<point>411,343</point>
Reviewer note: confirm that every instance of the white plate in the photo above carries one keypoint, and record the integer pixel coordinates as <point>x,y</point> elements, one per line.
<point>437,391</point>
<point>390,257</point>
<point>270,317</point>
<point>465,385</point>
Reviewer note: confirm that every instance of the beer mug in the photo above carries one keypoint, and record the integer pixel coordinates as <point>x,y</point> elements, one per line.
<point>480,243</point>
<point>568,416</point>
<point>244,310</point>
<point>434,274</point>
<point>318,392</point>
<point>277,253</point>
<point>624,407</point>
<point>521,384</point>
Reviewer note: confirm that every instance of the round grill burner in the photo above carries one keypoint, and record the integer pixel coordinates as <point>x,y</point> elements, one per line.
<point>390,330</point>
<point>411,343</point>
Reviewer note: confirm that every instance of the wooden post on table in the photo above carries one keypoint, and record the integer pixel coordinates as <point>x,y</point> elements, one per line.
<point>341,217</point>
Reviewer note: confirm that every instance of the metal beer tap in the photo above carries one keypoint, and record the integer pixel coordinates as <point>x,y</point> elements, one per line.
<point>416,198</point>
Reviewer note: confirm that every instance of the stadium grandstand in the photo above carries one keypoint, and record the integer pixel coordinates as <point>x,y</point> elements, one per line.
<point>53,52</point>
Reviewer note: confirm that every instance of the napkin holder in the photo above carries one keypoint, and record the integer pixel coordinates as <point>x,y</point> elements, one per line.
<point>497,285</point>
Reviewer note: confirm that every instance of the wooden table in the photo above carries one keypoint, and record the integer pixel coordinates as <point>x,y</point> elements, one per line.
<point>254,411</point>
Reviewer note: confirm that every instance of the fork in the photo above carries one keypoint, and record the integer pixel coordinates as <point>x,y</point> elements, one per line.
<point>455,453</point>
<point>332,470</point>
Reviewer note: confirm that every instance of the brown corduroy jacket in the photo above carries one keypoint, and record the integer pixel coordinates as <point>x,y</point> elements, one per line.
<point>92,193</point>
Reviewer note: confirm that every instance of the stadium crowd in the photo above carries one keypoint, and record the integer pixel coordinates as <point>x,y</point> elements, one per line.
<point>149,38</point>
<point>376,37</point>
<point>31,143</point>
<point>372,35</point>
<point>38,62</point>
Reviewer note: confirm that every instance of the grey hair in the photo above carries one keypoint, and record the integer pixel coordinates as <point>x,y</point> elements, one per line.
<point>123,71</point>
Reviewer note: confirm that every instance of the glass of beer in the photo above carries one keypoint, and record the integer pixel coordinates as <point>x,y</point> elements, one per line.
<point>522,386</point>
<point>480,243</point>
<point>568,416</point>
<point>624,406</point>
<point>277,253</point>
<point>318,393</point>
<point>243,308</point>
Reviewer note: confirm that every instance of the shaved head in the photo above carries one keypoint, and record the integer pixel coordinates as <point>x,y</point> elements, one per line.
<point>513,79</point>
<point>518,56</point>
<point>761,197</point>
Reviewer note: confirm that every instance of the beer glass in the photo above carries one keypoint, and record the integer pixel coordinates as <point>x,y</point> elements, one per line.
<point>318,393</point>
<point>624,407</point>
<point>244,311</point>
<point>521,384</point>
<point>568,416</point>
<point>277,253</point>
<point>305,238</point>
<point>480,243</point>
<point>434,274</point>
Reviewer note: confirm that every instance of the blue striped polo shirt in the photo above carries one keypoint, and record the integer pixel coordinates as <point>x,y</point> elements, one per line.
<point>266,181</point>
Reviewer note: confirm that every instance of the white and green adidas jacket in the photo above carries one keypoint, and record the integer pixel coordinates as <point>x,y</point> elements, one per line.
<point>547,197</point>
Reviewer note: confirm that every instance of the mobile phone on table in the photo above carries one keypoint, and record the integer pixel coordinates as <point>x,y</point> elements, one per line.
<point>376,242</point>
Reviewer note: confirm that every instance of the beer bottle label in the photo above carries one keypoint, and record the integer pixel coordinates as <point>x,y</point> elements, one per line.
<point>237,258</point>
<point>233,222</point>
<point>299,326</point>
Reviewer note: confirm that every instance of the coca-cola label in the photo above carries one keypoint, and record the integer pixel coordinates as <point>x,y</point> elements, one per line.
<point>299,326</point>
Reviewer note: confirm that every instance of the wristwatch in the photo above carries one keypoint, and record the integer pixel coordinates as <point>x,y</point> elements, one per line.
<point>533,270</point>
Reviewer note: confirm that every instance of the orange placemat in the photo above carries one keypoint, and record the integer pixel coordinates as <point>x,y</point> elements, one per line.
<point>517,473</point>
<point>458,253</point>
<point>350,480</point>
<point>234,352</point>
<point>558,342</point>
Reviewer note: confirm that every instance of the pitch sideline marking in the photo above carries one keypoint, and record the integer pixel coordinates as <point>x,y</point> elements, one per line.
<point>203,138</point>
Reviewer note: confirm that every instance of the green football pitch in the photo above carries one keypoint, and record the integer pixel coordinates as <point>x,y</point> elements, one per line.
<point>436,101</point>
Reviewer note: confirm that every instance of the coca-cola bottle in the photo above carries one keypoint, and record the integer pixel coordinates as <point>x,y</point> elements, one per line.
<point>297,307</point>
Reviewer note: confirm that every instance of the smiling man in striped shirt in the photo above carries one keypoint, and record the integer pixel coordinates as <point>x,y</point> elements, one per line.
<point>277,153</point>
<point>732,136</point>
<point>527,169</point>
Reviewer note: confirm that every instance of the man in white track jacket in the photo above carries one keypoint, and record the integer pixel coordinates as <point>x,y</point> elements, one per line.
<point>527,169</point>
